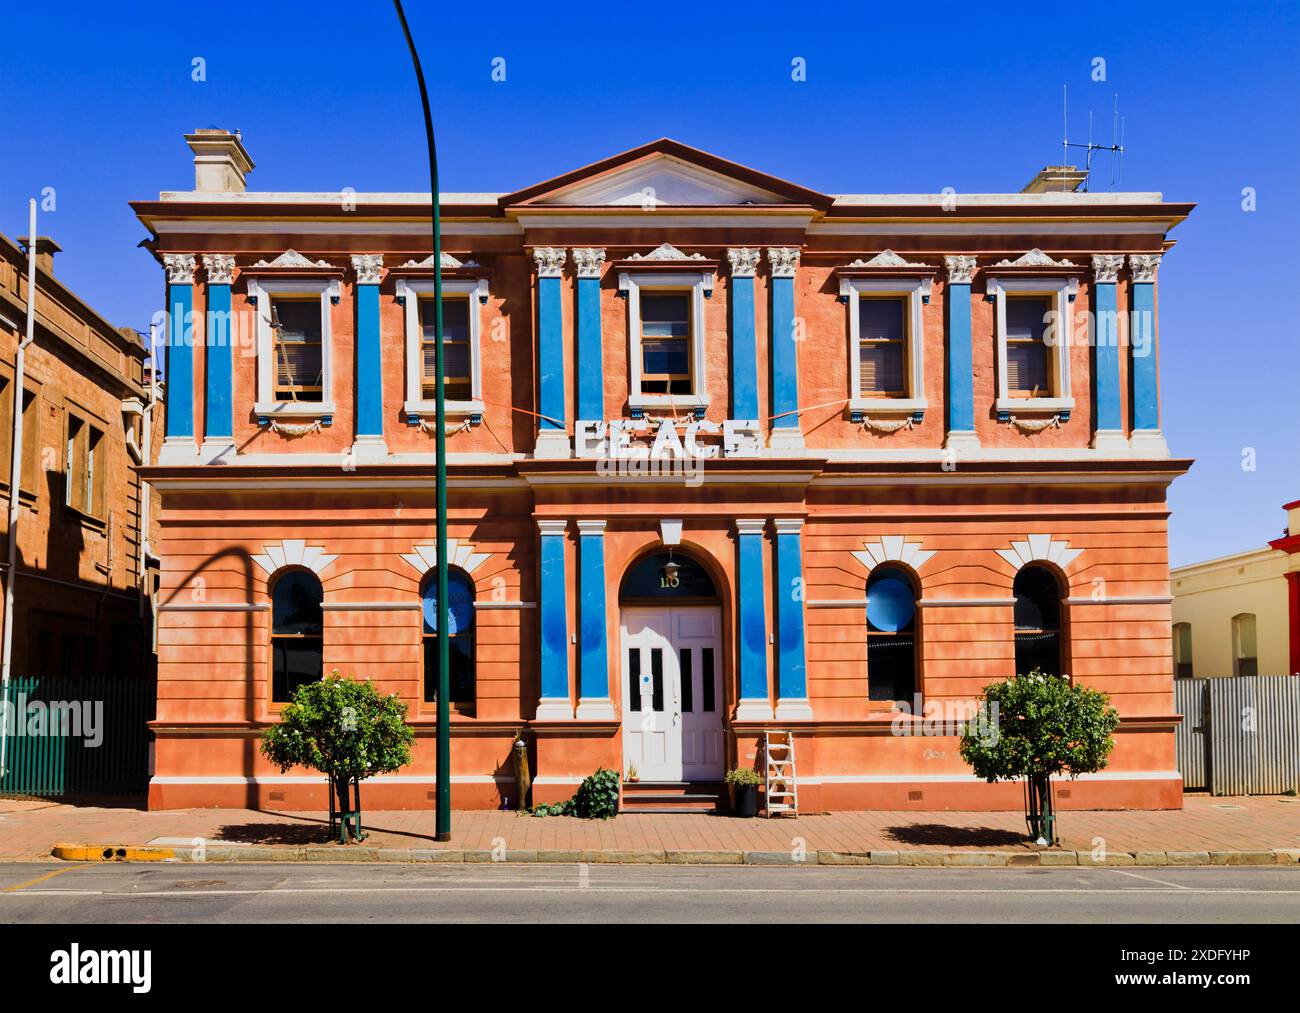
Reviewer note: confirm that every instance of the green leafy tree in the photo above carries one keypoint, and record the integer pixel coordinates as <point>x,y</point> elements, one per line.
<point>1034,726</point>
<point>346,729</point>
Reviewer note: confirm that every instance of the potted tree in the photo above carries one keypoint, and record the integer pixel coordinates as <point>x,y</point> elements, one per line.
<point>346,729</point>
<point>743,782</point>
<point>1035,726</point>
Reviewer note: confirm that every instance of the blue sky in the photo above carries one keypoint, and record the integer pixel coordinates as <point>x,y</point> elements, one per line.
<point>896,99</point>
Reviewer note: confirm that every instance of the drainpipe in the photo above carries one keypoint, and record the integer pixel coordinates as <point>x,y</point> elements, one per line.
<point>15,478</point>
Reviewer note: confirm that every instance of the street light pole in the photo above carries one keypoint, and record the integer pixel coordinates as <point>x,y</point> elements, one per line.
<point>443,640</point>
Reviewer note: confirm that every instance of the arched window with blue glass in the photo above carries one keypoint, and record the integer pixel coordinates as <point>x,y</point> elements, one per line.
<point>460,609</point>
<point>892,634</point>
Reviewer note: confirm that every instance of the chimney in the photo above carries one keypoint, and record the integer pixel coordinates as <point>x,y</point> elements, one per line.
<point>1057,179</point>
<point>46,248</point>
<point>220,161</point>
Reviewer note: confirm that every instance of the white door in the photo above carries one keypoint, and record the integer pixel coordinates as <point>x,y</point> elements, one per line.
<point>672,693</point>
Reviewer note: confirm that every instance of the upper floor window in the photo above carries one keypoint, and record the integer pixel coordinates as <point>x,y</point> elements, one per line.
<point>297,632</point>
<point>462,302</point>
<point>1032,327</point>
<point>885,346</point>
<point>84,476</point>
<point>666,339</point>
<point>31,436</point>
<point>294,360</point>
<point>299,362</point>
<point>1245,659</point>
<point>1183,650</point>
<point>1038,621</point>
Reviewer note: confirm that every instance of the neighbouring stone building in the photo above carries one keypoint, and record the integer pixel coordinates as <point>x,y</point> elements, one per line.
<point>726,455</point>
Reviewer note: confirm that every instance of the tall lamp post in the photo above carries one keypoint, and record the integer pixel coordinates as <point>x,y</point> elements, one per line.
<point>443,808</point>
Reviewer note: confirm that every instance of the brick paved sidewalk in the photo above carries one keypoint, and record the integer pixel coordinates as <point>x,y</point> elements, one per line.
<point>28,829</point>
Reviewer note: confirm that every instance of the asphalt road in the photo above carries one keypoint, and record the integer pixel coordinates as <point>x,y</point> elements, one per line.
<point>61,893</point>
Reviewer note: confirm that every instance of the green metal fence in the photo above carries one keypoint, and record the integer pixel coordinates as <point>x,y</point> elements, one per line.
<point>77,736</point>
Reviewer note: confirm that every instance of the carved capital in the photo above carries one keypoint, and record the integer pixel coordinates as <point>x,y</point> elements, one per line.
<point>784,260</point>
<point>220,268</point>
<point>744,261</point>
<point>961,269</point>
<point>1143,266</point>
<point>550,261</point>
<point>367,266</point>
<point>588,260</point>
<point>180,268</point>
<point>1106,267</point>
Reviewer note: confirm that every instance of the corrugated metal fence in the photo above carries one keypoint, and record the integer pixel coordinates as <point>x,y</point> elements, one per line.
<point>77,736</point>
<point>1239,736</point>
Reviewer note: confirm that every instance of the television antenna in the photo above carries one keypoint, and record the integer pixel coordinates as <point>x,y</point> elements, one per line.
<point>1093,148</point>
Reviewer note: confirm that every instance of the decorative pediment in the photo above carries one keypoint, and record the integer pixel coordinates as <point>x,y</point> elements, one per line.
<point>667,252</point>
<point>1034,258</point>
<point>448,262</point>
<point>460,554</point>
<point>292,260</point>
<point>293,552</point>
<point>893,548</point>
<point>1040,548</point>
<point>885,258</point>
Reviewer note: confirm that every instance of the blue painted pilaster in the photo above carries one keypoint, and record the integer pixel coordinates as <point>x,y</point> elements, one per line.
<point>370,388</point>
<point>1108,417</point>
<point>180,351</point>
<point>784,347</point>
<point>550,342</point>
<point>217,415</point>
<point>1142,339</point>
<point>792,686</point>
<point>744,355</point>
<point>593,650</point>
<point>591,370</point>
<point>960,366</point>
<point>755,700</point>
<point>553,622</point>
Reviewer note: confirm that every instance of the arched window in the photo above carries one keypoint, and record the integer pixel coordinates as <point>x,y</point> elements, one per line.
<point>1245,660</point>
<point>1182,650</point>
<point>891,634</point>
<point>667,575</point>
<point>297,629</point>
<point>1038,621</point>
<point>460,628</point>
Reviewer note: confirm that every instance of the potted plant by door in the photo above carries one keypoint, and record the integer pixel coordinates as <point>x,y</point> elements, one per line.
<point>744,783</point>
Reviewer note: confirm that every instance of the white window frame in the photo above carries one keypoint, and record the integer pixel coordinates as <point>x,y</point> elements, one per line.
<point>699,283</point>
<point>410,291</point>
<point>1062,290</point>
<point>264,291</point>
<point>916,291</point>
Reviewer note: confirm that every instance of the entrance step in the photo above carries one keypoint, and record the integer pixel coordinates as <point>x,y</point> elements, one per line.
<point>674,796</point>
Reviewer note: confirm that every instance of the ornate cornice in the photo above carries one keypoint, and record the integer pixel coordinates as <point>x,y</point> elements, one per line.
<point>1106,267</point>
<point>220,268</point>
<point>588,260</point>
<point>292,258</point>
<point>743,260</point>
<point>666,251</point>
<point>1143,266</point>
<point>885,258</point>
<point>1034,258</point>
<point>446,260</point>
<point>961,269</point>
<point>550,261</point>
<point>367,266</point>
<point>180,268</point>
<point>784,260</point>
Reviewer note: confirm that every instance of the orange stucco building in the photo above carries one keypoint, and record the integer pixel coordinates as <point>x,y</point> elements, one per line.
<point>726,454</point>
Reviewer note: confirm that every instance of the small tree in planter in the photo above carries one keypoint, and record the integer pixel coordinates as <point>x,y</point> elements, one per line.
<point>744,782</point>
<point>1034,726</point>
<point>348,731</point>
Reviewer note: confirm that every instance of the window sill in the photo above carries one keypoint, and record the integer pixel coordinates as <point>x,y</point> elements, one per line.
<point>1034,404</point>
<point>640,403</point>
<point>888,405</point>
<point>416,410</point>
<point>294,410</point>
<point>84,519</point>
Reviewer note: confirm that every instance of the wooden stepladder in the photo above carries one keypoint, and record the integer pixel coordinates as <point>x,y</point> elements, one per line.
<point>780,784</point>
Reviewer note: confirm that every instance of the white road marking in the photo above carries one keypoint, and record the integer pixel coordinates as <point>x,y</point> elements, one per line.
<point>1150,879</point>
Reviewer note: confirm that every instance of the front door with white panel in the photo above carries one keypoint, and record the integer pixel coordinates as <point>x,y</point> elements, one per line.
<point>672,693</point>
